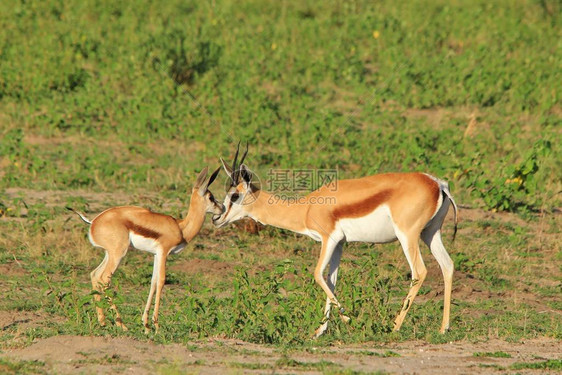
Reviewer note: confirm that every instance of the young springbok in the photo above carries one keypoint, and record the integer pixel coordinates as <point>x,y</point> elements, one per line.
<point>376,209</point>
<point>119,228</point>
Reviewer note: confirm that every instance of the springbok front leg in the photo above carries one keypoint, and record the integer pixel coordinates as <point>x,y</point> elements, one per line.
<point>331,281</point>
<point>153,282</point>
<point>331,253</point>
<point>156,285</point>
<point>161,280</point>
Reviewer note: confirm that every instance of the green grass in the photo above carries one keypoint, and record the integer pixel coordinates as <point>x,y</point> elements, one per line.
<point>150,94</point>
<point>552,364</point>
<point>324,366</point>
<point>386,354</point>
<point>115,360</point>
<point>492,354</point>
<point>121,103</point>
<point>9,367</point>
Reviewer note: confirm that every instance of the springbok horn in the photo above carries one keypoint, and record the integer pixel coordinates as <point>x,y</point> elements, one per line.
<point>245,153</point>
<point>234,168</point>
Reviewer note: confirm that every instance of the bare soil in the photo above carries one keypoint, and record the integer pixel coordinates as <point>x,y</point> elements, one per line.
<point>106,355</point>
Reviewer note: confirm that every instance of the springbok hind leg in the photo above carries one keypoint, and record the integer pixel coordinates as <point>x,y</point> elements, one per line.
<point>433,240</point>
<point>412,251</point>
<point>101,280</point>
<point>98,288</point>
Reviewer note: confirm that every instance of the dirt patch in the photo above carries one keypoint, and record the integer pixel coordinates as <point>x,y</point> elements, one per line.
<point>20,322</point>
<point>12,318</point>
<point>12,269</point>
<point>71,354</point>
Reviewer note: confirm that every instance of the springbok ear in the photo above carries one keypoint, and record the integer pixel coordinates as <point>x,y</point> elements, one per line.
<point>201,178</point>
<point>246,174</point>
<point>227,169</point>
<point>213,176</point>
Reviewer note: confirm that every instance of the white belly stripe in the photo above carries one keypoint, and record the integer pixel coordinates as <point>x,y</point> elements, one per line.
<point>376,227</point>
<point>143,243</point>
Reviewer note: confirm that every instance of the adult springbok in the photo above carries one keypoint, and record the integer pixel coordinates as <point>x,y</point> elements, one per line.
<point>377,209</point>
<point>119,228</point>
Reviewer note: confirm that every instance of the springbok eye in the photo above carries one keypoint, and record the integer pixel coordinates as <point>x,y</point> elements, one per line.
<point>234,197</point>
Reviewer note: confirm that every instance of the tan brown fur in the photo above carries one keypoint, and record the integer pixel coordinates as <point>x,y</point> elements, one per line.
<point>416,207</point>
<point>116,230</point>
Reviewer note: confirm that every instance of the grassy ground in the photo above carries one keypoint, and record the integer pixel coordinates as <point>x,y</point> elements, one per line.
<point>108,103</point>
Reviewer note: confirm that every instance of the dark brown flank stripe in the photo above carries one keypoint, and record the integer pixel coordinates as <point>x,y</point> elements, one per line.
<point>363,207</point>
<point>142,231</point>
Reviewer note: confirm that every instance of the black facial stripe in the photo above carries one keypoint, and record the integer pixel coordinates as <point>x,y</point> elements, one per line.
<point>228,210</point>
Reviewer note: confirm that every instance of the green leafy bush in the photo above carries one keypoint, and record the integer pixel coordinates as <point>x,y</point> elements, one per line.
<point>515,187</point>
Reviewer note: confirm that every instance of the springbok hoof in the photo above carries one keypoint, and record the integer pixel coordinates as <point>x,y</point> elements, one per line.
<point>320,331</point>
